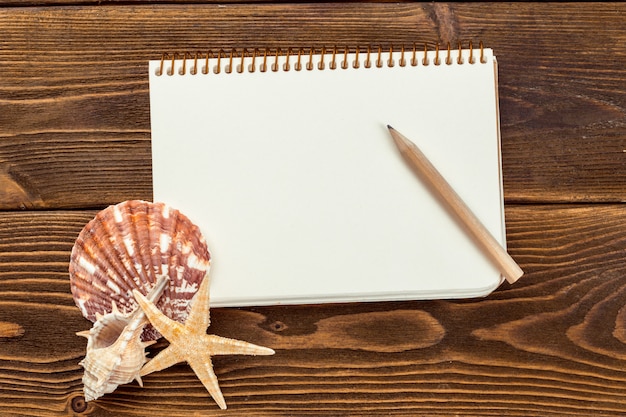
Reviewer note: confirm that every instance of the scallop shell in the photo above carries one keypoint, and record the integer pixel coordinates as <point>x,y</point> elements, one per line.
<point>126,247</point>
<point>115,352</point>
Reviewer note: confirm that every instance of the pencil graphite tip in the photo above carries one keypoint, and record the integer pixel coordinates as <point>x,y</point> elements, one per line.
<point>398,139</point>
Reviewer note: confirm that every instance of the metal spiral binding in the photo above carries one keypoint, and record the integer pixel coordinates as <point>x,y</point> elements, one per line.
<point>263,60</point>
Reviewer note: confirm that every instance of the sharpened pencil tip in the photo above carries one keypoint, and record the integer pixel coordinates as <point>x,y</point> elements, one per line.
<point>398,139</point>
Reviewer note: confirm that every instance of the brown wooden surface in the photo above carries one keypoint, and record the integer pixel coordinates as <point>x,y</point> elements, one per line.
<point>75,137</point>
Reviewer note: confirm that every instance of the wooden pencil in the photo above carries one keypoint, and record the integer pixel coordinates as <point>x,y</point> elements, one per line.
<point>488,244</point>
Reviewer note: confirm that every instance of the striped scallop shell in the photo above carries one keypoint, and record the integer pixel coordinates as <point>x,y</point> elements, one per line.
<point>126,247</point>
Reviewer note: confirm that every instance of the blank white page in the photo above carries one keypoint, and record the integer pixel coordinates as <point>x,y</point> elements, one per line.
<point>296,184</point>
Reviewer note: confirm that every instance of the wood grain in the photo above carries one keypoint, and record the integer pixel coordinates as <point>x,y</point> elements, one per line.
<point>75,137</point>
<point>553,344</point>
<point>74,104</point>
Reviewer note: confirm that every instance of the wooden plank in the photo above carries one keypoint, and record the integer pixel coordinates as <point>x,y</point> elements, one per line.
<point>74,104</point>
<point>35,3</point>
<point>551,344</point>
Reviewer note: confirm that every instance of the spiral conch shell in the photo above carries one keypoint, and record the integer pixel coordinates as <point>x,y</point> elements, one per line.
<point>135,245</point>
<point>115,352</point>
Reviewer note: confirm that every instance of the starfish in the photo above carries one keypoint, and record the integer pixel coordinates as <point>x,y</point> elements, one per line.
<point>191,343</point>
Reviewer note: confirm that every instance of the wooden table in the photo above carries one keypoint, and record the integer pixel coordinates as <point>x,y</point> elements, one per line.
<point>75,137</point>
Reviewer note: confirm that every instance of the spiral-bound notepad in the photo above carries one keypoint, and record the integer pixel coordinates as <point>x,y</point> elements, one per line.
<point>284,160</point>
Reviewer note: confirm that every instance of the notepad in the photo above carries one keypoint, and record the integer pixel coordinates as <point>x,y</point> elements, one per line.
<point>284,161</point>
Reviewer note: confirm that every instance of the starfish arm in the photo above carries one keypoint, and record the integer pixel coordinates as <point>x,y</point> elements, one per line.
<point>166,358</point>
<point>203,368</point>
<point>225,346</point>
<point>164,325</point>
<point>198,317</point>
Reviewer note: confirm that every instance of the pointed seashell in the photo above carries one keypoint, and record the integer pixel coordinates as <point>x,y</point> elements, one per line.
<point>115,352</point>
<point>125,247</point>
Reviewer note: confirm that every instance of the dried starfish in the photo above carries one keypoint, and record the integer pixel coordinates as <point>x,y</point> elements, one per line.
<point>191,343</point>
